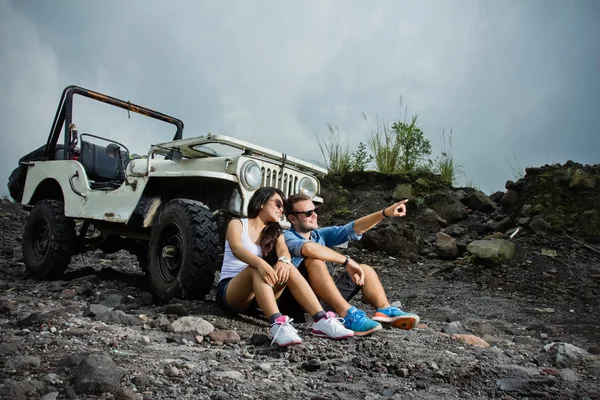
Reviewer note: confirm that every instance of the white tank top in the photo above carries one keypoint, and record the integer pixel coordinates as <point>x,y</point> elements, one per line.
<point>231,265</point>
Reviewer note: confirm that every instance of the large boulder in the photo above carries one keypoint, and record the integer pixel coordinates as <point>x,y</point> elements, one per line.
<point>478,201</point>
<point>445,246</point>
<point>582,180</point>
<point>403,191</point>
<point>497,250</point>
<point>391,239</point>
<point>448,206</point>
<point>510,198</point>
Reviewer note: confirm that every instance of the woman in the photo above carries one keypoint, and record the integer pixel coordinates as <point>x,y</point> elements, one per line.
<point>246,274</point>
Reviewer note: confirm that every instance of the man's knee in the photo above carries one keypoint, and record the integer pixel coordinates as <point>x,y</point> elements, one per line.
<point>314,264</point>
<point>369,271</point>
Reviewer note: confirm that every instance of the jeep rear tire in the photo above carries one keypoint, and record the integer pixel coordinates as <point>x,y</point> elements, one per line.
<point>183,251</point>
<point>48,240</point>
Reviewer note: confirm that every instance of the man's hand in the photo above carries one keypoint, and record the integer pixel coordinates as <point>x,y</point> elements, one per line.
<point>282,270</point>
<point>267,273</point>
<point>396,210</point>
<point>356,272</point>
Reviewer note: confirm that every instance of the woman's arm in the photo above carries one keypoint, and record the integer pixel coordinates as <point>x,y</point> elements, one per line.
<point>282,269</point>
<point>234,237</point>
<point>281,248</point>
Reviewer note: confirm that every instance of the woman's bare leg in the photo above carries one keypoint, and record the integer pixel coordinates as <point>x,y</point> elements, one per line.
<point>303,293</point>
<point>247,285</point>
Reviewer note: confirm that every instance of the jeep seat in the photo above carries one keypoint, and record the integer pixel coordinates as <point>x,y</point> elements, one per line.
<point>103,171</point>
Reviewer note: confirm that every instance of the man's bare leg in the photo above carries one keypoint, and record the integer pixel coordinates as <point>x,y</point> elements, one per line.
<point>324,287</point>
<point>372,291</point>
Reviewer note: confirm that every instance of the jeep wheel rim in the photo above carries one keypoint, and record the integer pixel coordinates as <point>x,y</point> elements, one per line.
<point>170,246</point>
<point>40,239</point>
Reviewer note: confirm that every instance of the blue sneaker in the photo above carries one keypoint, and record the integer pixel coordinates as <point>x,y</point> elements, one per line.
<point>396,317</point>
<point>357,321</point>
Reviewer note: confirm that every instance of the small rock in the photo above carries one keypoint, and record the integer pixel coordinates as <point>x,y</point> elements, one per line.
<point>18,363</point>
<point>176,309</point>
<point>233,375</point>
<point>67,294</point>
<point>140,380</point>
<point>225,336</point>
<point>192,324</point>
<point>472,340</point>
<point>264,367</point>
<point>113,301</point>
<point>568,375</point>
<point>259,339</point>
<point>311,365</point>
<point>454,328</point>
<point>539,225</point>
<point>497,250</point>
<point>127,394</point>
<point>595,350</point>
<point>96,374</point>
<point>565,355</point>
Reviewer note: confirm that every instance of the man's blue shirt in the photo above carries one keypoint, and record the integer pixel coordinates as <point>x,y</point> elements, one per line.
<point>330,236</point>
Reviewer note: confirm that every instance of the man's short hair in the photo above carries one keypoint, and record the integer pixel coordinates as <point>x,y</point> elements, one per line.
<point>293,199</point>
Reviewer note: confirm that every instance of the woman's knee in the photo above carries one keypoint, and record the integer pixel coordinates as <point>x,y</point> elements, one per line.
<point>294,274</point>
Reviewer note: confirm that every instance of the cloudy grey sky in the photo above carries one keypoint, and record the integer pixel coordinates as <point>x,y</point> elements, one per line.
<point>512,79</point>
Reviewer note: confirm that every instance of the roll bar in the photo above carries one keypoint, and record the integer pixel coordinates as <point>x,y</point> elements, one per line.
<point>64,117</point>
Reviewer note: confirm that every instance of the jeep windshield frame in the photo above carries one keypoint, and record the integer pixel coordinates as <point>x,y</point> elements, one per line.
<point>64,117</point>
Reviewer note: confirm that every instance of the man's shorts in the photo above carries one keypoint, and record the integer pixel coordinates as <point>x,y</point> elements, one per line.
<point>348,289</point>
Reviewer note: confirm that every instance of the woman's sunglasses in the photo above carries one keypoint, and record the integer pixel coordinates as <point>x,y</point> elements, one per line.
<point>308,213</point>
<point>278,204</point>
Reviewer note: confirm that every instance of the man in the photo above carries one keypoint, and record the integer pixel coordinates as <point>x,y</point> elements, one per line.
<point>311,250</point>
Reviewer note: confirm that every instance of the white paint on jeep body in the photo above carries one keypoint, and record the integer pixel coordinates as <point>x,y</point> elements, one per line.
<point>108,205</point>
<point>119,204</point>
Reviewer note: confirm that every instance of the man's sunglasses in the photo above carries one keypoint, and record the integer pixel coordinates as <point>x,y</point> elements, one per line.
<point>308,213</point>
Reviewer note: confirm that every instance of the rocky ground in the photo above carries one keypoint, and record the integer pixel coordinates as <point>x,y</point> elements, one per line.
<point>517,328</point>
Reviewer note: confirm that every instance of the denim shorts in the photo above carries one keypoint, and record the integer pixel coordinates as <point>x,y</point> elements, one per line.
<point>221,297</point>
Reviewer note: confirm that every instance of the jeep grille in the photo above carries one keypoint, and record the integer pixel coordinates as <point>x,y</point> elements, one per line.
<point>286,181</point>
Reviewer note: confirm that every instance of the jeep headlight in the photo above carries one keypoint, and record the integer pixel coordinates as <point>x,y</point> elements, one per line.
<point>250,175</point>
<point>308,187</point>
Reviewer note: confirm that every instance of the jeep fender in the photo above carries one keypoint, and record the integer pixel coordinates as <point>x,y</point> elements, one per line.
<point>80,201</point>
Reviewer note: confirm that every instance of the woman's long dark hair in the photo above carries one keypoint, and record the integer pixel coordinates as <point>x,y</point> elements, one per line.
<point>271,232</point>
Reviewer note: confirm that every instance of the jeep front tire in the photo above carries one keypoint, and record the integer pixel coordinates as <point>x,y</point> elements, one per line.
<point>183,251</point>
<point>48,240</point>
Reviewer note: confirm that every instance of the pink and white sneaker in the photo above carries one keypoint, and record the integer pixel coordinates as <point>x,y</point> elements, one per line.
<point>331,326</point>
<point>283,333</point>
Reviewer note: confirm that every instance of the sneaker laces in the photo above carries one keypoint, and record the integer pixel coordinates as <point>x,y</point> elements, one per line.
<point>285,326</point>
<point>356,316</point>
<point>335,322</point>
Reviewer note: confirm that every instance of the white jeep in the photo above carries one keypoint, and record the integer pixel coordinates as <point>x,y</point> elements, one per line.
<point>169,208</point>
